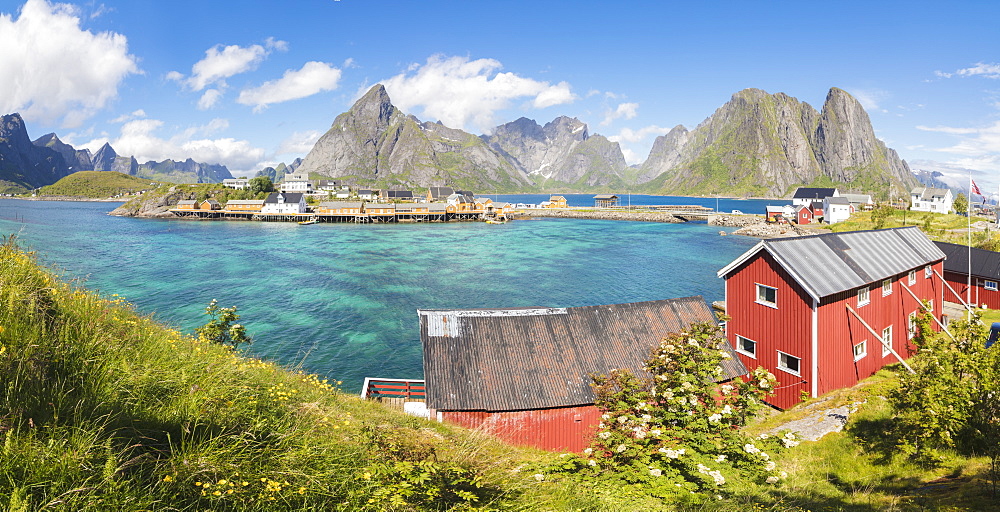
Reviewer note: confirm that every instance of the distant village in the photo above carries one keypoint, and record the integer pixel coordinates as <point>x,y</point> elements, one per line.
<point>359,205</point>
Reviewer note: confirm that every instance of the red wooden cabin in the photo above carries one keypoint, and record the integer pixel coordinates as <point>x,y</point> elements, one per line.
<point>803,214</point>
<point>984,271</point>
<point>814,310</point>
<point>523,374</point>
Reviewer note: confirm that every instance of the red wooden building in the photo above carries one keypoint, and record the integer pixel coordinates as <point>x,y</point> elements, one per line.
<point>523,374</point>
<point>984,271</point>
<point>803,214</point>
<point>814,310</point>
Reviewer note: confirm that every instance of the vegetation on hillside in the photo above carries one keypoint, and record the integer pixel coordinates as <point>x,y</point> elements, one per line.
<point>941,227</point>
<point>98,184</point>
<point>105,409</point>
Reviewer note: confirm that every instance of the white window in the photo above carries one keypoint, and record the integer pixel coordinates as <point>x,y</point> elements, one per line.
<point>928,271</point>
<point>886,287</point>
<point>991,286</point>
<point>788,363</point>
<point>864,297</point>
<point>912,277</point>
<point>911,325</point>
<point>746,346</point>
<point>861,350</point>
<point>886,341</point>
<point>767,296</point>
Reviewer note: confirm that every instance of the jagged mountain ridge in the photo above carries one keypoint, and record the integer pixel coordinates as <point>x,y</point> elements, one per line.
<point>767,144</point>
<point>76,159</point>
<point>23,165</point>
<point>376,144</point>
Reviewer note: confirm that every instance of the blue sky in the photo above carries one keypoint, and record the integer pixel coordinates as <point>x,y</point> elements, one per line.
<point>250,84</point>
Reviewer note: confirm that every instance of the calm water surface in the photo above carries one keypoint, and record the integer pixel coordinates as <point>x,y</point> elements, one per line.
<point>340,300</point>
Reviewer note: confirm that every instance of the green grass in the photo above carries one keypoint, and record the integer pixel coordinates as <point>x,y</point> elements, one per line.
<point>105,409</point>
<point>98,184</point>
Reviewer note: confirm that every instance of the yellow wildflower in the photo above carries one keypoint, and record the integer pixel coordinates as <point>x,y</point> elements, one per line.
<point>168,478</point>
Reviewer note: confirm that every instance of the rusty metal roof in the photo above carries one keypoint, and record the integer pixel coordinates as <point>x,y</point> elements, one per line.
<point>535,358</point>
<point>835,262</point>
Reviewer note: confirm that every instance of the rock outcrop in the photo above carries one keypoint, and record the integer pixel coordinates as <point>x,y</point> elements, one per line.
<point>76,159</point>
<point>107,159</point>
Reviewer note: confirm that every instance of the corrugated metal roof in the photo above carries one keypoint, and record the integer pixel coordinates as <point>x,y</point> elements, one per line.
<point>813,193</point>
<point>835,262</point>
<point>533,358</point>
<point>984,263</point>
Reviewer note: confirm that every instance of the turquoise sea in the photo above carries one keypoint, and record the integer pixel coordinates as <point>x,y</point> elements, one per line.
<point>340,300</point>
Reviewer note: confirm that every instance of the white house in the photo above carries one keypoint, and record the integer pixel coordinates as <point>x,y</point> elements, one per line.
<point>296,182</point>
<point>836,209</point>
<point>860,202</point>
<point>282,202</point>
<point>237,183</point>
<point>806,195</point>
<point>928,199</point>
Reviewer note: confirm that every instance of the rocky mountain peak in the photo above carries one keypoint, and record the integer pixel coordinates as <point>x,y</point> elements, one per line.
<point>13,130</point>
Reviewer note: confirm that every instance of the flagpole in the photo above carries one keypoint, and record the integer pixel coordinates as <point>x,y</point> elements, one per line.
<point>968,283</point>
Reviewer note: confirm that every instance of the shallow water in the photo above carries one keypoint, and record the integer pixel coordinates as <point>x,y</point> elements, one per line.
<point>340,299</point>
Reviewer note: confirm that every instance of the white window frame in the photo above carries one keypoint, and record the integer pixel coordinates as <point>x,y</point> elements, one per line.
<point>928,271</point>
<point>739,347</point>
<point>930,305</point>
<point>864,350</point>
<point>864,293</point>
<point>911,325</point>
<point>911,278</point>
<point>887,332</point>
<point>990,285</point>
<point>764,302</point>
<point>886,287</point>
<point>785,368</point>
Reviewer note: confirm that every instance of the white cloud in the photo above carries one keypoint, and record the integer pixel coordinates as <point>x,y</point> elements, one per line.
<point>313,78</point>
<point>136,114</point>
<point>991,70</point>
<point>942,74</point>
<point>140,139</point>
<point>461,92</point>
<point>626,110</point>
<point>630,135</point>
<point>298,143</point>
<point>977,148</point>
<point>55,70</point>
<point>209,99</point>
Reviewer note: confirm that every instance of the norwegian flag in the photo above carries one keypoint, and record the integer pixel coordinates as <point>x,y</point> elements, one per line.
<point>975,188</point>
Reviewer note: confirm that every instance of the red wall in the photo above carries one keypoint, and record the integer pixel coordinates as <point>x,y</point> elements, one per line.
<point>564,429</point>
<point>980,295</point>
<point>786,328</point>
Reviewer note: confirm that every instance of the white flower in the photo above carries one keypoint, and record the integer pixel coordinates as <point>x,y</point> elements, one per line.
<point>604,435</point>
<point>789,443</point>
<point>720,458</point>
<point>715,418</point>
<point>769,466</point>
<point>621,448</point>
<point>693,342</point>
<point>588,451</point>
<point>639,433</point>
<point>703,468</point>
<point>765,435</point>
<point>605,416</point>
<point>592,462</point>
<point>672,454</point>
<point>669,348</point>
<point>772,479</point>
<point>765,456</point>
<point>726,389</point>
<point>687,385</point>
<point>749,448</point>
<point>646,417</point>
<point>783,475</point>
<point>622,419</point>
<point>656,432</point>
<point>655,472</point>
<point>727,410</point>
<point>717,476</point>
<point>764,384</point>
<point>539,477</point>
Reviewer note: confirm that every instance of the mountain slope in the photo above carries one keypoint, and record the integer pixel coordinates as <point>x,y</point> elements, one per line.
<point>23,165</point>
<point>766,145</point>
<point>77,159</point>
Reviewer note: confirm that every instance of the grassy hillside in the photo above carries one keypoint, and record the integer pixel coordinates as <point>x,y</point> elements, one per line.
<point>98,184</point>
<point>105,409</point>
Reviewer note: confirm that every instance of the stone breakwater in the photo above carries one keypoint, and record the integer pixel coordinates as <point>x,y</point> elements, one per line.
<point>602,215</point>
<point>755,226</point>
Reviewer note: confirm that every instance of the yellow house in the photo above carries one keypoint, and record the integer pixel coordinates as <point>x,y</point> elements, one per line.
<point>244,205</point>
<point>188,204</point>
<point>209,204</point>
<point>557,202</point>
